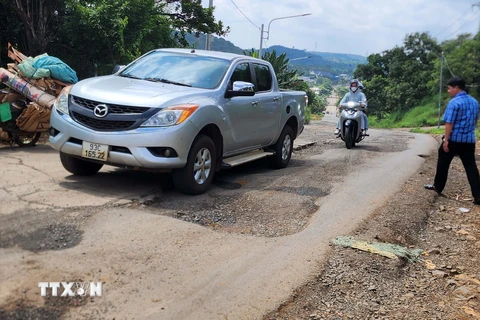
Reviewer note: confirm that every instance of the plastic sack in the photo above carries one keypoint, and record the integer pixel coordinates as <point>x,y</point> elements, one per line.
<point>58,69</point>
<point>30,71</point>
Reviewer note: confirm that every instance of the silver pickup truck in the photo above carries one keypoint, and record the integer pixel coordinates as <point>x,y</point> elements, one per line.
<point>191,112</point>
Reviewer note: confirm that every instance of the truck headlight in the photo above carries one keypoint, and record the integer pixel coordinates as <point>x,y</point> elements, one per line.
<point>61,103</point>
<point>170,116</point>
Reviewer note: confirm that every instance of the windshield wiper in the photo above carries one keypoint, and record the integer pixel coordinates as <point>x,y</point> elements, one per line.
<point>167,81</point>
<point>127,75</point>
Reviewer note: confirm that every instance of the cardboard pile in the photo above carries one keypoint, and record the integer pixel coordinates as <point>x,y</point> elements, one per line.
<point>23,101</point>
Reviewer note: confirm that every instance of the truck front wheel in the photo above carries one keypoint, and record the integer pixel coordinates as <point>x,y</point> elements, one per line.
<point>79,167</point>
<point>283,149</point>
<point>197,175</point>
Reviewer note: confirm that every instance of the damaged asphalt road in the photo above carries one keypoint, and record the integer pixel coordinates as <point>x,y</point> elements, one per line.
<point>237,251</point>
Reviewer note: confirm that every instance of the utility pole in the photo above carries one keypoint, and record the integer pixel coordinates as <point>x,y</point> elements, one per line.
<point>477,5</point>
<point>268,30</point>
<point>209,36</point>
<point>440,89</point>
<point>261,43</point>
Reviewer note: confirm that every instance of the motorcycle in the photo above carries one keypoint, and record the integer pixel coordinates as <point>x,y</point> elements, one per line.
<point>12,133</point>
<point>350,123</point>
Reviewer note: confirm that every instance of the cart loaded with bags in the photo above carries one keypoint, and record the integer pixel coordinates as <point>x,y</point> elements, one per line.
<point>28,89</point>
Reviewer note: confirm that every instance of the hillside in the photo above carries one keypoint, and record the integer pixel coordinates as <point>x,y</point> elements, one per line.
<point>218,44</point>
<point>329,64</point>
<point>334,63</point>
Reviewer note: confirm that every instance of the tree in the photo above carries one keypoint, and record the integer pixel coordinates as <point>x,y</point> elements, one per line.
<point>252,53</point>
<point>188,16</point>
<point>40,22</point>
<point>285,76</point>
<point>288,79</point>
<point>86,33</point>
<point>398,79</point>
<point>461,59</point>
<point>10,30</point>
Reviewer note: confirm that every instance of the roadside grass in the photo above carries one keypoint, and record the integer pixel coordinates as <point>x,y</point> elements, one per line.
<point>315,116</point>
<point>437,131</point>
<point>422,116</point>
<point>434,131</point>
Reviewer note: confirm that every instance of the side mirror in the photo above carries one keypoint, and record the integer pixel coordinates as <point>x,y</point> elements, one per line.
<point>118,68</point>
<point>241,89</point>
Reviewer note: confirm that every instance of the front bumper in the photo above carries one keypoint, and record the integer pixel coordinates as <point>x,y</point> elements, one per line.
<point>127,148</point>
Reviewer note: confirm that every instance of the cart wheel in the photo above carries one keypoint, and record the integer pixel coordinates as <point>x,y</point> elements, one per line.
<point>27,140</point>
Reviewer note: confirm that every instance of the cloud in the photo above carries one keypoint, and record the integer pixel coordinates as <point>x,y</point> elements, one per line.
<point>360,27</point>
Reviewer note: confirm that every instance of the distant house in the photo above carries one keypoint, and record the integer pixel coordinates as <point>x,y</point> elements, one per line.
<point>307,79</point>
<point>324,74</point>
<point>315,90</point>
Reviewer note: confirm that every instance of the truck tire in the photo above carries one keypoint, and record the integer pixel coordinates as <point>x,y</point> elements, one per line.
<point>79,167</point>
<point>197,175</point>
<point>283,149</point>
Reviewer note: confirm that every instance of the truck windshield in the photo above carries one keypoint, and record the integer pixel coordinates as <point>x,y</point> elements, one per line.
<point>178,69</point>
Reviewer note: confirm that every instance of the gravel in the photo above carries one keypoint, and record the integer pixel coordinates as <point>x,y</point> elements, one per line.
<point>355,284</point>
<point>352,284</point>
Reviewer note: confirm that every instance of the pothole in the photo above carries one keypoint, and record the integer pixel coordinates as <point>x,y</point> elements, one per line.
<point>227,185</point>
<point>51,237</point>
<point>303,191</point>
<point>31,313</point>
<point>424,156</point>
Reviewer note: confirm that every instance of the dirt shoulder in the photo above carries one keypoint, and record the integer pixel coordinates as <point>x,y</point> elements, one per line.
<point>354,284</point>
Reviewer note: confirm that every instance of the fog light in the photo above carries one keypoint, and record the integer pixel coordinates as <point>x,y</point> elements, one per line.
<point>163,152</point>
<point>53,132</point>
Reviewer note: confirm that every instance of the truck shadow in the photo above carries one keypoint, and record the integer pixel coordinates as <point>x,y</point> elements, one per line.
<point>125,184</point>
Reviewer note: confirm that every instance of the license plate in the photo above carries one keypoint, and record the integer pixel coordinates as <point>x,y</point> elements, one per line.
<point>94,151</point>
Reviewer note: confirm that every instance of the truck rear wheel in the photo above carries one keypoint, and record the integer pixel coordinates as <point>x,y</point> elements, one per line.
<point>79,167</point>
<point>283,149</point>
<point>197,175</point>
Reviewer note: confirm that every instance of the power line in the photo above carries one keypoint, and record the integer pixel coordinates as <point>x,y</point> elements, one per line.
<point>453,75</point>
<point>245,15</point>
<point>462,26</point>
<point>452,23</point>
<point>446,63</point>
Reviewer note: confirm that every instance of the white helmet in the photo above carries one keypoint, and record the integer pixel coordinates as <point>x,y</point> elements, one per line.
<point>354,85</point>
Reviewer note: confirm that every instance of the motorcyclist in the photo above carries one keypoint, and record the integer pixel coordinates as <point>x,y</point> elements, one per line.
<point>355,95</point>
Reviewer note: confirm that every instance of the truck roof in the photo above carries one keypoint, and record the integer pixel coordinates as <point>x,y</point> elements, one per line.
<point>205,53</point>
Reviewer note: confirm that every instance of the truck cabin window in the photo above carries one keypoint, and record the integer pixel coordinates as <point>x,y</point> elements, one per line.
<point>241,73</point>
<point>263,77</point>
<point>182,69</point>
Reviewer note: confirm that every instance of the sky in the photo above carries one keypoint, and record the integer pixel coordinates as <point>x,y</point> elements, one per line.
<point>359,27</point>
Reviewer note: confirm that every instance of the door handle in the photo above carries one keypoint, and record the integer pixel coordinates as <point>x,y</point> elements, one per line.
<point>255,103</point>
<point>276,99</point>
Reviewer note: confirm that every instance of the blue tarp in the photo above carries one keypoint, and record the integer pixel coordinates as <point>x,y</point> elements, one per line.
<point>58,69</point>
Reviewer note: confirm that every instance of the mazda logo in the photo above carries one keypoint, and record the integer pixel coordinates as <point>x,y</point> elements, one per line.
<point>100,110</point>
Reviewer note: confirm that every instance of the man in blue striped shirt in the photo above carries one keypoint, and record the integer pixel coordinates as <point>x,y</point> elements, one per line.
<point>460,119</point>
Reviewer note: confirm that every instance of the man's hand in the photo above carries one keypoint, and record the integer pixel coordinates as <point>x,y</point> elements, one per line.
<point>445,146</point>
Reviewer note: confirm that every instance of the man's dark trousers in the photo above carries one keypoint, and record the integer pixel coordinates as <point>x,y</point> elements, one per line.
<point>466,152</point>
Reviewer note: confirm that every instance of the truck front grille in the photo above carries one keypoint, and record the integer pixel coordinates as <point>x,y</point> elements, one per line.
<point>112,108</point>
<point>101,124</point>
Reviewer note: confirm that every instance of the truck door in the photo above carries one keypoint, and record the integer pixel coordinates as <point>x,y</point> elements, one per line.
<point>242,113</point>
<point>268,109</point>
